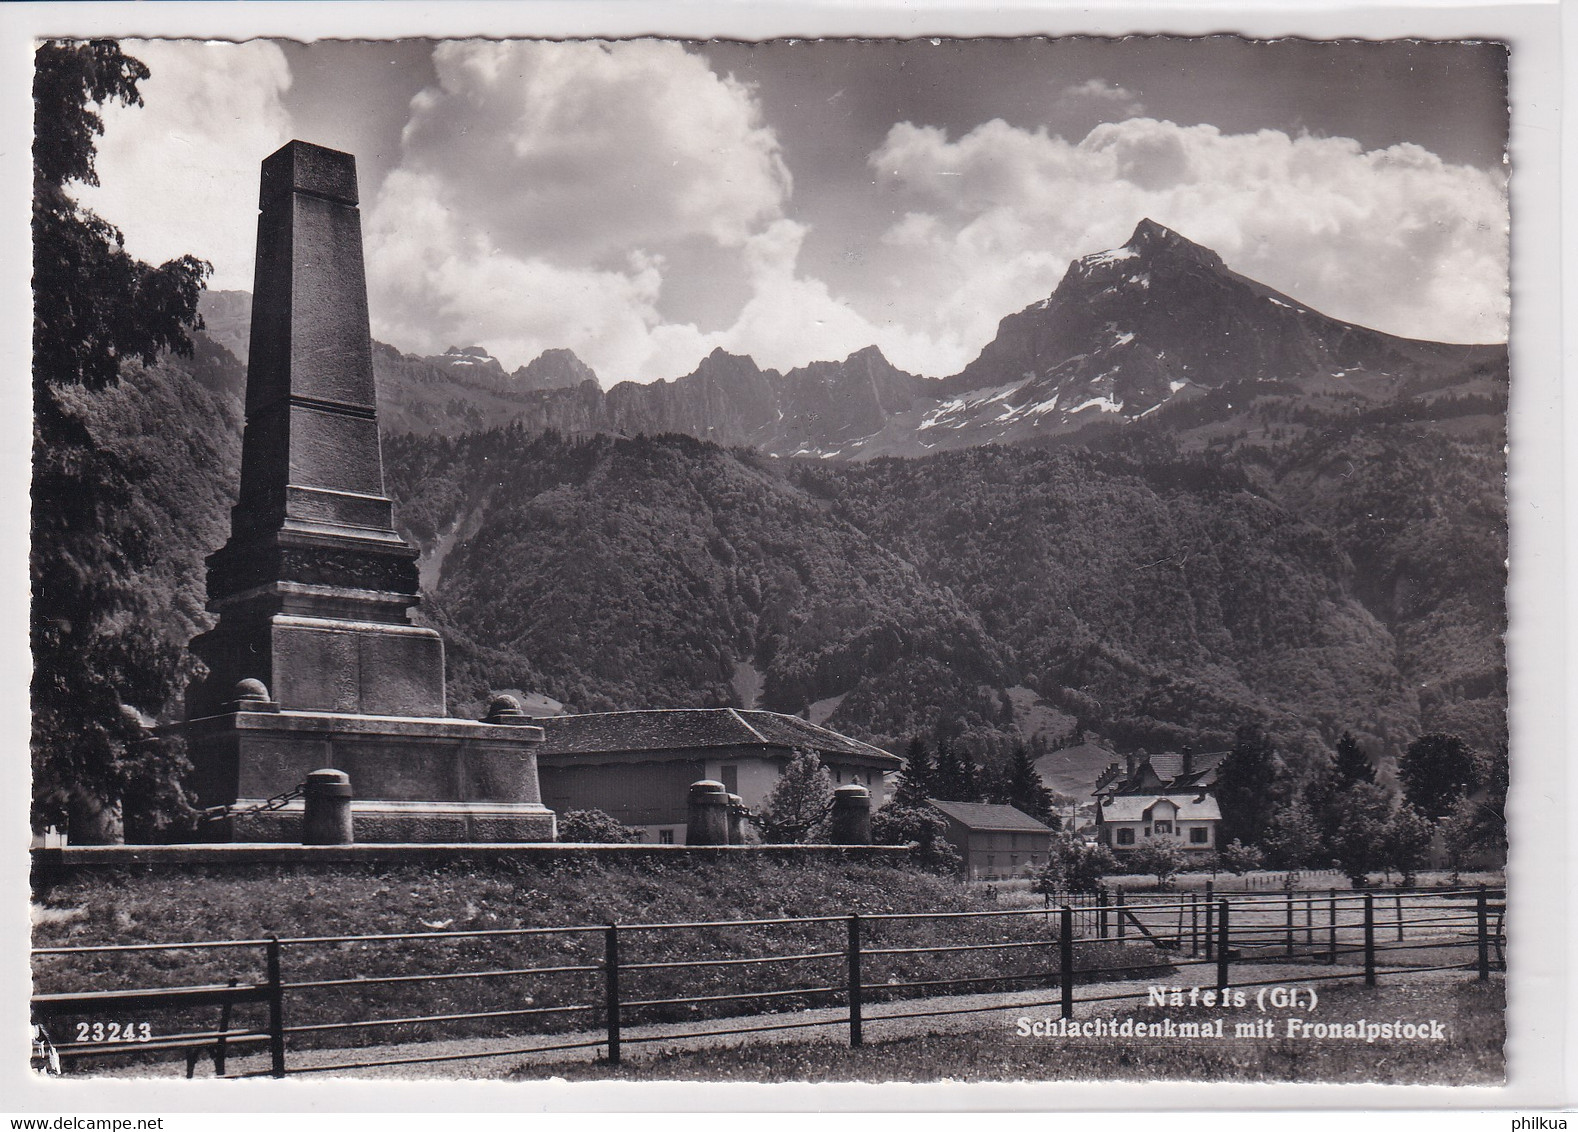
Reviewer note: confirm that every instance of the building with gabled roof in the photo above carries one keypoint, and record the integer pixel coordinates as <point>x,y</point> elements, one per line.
<point>637,766</point>
<point>996,842</point>
<point>1151,798</point>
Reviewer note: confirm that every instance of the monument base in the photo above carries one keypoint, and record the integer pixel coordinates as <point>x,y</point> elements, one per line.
<point>412,779</point>
<point>406,823</point>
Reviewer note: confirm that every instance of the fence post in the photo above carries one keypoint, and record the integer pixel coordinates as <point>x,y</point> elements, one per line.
<point>611,989</point>
<point>1397,904</point>
<point>276,1010</point>
<point>1119,913</point>
<point>1309,921</point>
<point>1103,896</point>
<point>1223,937</point>
<point>219,1046</point>
<point>1482,911</point>
<point>1066,961</point>
<point>1331,927</point>
<point>1210,928</point>
<point>1194,923</point>
<point>853,967</point>
<point>1369,939</point>
<point>1290,924</point>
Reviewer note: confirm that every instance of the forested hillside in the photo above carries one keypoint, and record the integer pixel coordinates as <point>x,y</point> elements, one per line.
<point>1346,574</point>
<point>1154,597</point>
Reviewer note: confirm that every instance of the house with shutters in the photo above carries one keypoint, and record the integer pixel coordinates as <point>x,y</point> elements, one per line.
<point>996,842</point>
<point>637,766</point>
<point>1164,797</point>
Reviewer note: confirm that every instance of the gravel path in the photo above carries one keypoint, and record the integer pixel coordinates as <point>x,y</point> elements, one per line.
<point>974,1013</point>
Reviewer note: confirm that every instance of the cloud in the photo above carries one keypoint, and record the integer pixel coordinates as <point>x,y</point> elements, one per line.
<point>1108,99</point>
<point>540,182</point>
<point>1395,238</point>
<point>179,174</point>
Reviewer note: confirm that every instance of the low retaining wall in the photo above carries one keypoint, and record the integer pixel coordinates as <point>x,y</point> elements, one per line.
<point>51,866</point>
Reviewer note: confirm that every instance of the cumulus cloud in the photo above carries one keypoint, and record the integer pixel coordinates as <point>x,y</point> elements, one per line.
<point>179,174</point>
<point>1395,238</point>
<point>1101,96</point>
<point>538,185</point>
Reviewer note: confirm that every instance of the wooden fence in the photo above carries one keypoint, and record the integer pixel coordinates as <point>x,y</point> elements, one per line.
<point>851,963</point>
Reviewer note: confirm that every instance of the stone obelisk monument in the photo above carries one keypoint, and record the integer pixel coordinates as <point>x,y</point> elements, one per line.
<point>314,662</point>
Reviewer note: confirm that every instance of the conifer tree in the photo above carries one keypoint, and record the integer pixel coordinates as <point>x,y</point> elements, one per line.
<point>1026,792</point>
<point>1352,765</point>
<point>1244,785</point>
<point>917,780</point>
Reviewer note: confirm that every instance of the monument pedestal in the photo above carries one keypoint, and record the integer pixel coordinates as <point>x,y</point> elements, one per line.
<point>412,779</point>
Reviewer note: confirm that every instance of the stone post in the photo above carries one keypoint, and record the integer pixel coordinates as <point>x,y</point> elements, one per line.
<point>736,820</point>
<point>707,815</point>
<point>851,815</point>
<point>326,811</point>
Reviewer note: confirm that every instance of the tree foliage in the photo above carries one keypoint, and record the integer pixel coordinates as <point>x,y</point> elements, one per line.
<point>1436,772</point>
<point>1351,764</point>
<point>956,777</point>
<point>101,662</point>
<point>921,826</point>
<point>1477,824</point>
<point>1025,790</point>
<point>1074,865</point>
<point>1244,785</point>
<point>1408,837</point>
<point>1159,858</point>
<point>1293,838</point>
<point>1361,844</point>
<point>798,806</point>
<point>915,781</point>
<point>1238,858</point>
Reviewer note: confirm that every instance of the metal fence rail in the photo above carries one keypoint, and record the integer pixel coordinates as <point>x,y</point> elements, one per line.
<point>864,961</point>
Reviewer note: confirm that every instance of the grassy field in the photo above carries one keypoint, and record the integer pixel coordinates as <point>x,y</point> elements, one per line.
<point>1471,1013</point>
<point>143,908</point>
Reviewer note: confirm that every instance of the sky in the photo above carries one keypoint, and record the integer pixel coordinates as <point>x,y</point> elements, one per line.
<point>645,202</point>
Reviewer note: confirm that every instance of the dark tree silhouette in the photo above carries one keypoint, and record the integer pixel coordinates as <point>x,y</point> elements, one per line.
<point>1026,792</point>
<point>955,779</point>
<point>98,662</point>
<point>915,784</point>
<point>1352,764</point>
<point>1436,771</point>
<point>1244,784</point>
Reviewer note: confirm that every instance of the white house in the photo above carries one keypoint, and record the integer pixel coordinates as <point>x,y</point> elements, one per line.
<point>1188,821</point>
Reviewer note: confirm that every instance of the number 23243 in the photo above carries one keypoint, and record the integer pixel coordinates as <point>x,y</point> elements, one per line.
<point>114,1032</point>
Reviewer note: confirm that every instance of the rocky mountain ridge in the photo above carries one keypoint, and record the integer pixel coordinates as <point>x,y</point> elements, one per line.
<point>1159,328</point>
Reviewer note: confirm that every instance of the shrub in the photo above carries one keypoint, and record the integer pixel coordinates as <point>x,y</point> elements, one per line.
<point>921,826</point>
<point>1161,858</point>
<point>596,828</point>
<point>1077,865</point>
<point>1239,858</point>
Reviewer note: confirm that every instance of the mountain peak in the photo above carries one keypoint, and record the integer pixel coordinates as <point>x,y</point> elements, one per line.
<point>1147,232</point>
<point>1151,238</point>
